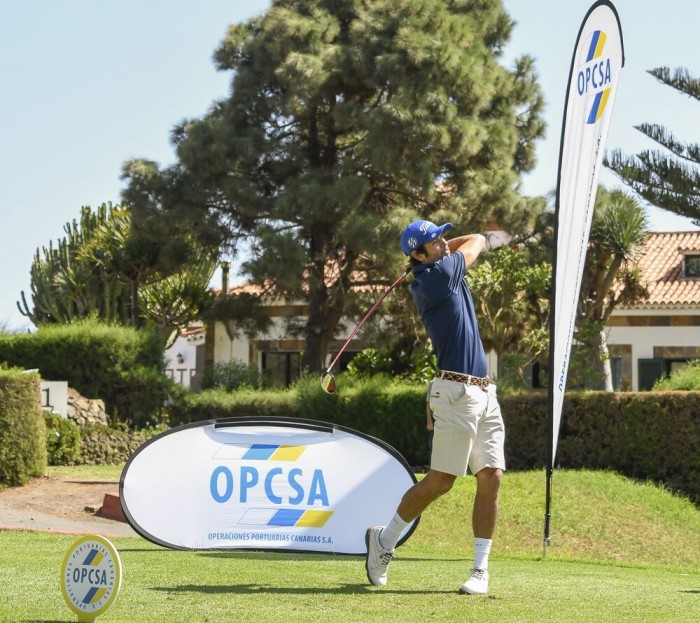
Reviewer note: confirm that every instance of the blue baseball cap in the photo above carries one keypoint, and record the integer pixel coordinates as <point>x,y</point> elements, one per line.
<point>420,232</point>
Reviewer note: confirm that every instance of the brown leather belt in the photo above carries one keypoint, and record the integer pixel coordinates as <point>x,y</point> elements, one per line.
<point>467,379</point>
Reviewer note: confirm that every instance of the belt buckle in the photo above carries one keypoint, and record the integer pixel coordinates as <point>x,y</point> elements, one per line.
<point>482,383</point>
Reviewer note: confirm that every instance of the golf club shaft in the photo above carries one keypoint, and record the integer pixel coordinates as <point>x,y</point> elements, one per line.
<point>366,317</point>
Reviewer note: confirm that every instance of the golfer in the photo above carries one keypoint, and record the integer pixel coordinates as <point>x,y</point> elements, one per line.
<point>468,430</point>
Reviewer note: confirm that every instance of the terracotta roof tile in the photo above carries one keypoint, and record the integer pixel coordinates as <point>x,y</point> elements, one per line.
<point>192,331</point>
<point>663,272</point>
<point>361,278</point>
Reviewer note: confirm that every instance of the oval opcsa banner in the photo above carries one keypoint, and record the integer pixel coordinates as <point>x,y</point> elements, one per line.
<point>263,483</point>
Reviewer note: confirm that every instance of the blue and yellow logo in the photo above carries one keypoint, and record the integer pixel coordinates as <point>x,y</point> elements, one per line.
<point>95,593</point>
<point>282,489</point>
<point>91,576</point>
<point>272,452</point>
<point>594,78</point>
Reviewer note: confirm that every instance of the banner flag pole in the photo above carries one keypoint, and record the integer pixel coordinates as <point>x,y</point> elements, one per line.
<point>593,78</point>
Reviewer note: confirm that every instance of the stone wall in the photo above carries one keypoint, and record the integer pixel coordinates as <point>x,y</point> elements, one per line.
<point>83,410</point>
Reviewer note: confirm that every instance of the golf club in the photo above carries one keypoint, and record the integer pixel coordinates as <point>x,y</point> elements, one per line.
<point>327,379</point>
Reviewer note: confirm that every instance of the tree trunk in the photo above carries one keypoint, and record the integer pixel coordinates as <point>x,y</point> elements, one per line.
<point>320,328</point>
<point>316,349</point>
<point>325,313</point>
<point>601,358</point>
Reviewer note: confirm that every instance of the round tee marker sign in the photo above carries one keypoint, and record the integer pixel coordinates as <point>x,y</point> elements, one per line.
<point>91,576</point>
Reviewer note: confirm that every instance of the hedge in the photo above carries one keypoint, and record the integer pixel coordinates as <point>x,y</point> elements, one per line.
<point>120,365</point>
<point>647,435</point>
<point>22,429</point>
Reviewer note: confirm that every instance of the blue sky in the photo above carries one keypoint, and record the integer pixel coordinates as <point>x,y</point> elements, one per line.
<point>89,84</point>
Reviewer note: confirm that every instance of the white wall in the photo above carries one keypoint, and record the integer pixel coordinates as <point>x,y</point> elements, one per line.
<point>644,339</point>
<point>226,350</point>
<point>182,372</point>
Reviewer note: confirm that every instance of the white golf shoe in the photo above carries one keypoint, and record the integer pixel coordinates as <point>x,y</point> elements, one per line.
<point>378,558</point>
<point>477,584</point>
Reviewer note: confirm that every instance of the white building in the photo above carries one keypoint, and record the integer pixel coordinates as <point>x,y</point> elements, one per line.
<point>646,340</point>
<point>184,360</point>
<point>654,337</point>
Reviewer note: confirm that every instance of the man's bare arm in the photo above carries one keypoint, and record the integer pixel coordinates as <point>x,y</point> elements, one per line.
<point>470,246</point>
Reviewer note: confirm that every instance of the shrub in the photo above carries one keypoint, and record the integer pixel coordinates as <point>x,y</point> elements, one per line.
<point>232,375</point>
<point>22,428</point>
<point>418,366</point>
<point>368,362</point>
<point>62,440</point>
<point>685,379</point>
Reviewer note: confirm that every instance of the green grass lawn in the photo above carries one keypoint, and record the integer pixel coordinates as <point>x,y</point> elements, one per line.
<point>621,552</point>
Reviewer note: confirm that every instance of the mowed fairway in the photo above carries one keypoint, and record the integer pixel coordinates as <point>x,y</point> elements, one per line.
<point>621,552</point>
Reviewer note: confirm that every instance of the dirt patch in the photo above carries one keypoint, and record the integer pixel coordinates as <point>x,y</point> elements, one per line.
<point>70,499</point>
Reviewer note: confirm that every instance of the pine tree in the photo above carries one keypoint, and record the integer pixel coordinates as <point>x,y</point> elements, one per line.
<point>346,120</point>
<point>667,178</point>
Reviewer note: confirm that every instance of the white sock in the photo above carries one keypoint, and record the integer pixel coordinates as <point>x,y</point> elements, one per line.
<point>482,548</point>
<point>391,533</point>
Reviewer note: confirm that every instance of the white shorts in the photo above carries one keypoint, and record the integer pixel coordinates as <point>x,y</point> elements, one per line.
<point>469,430</point>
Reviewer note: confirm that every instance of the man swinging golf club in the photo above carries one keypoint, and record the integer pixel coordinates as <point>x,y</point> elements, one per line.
<point>468,429</point>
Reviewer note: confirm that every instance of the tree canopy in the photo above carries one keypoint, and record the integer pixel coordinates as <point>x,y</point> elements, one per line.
<point>346,120</point>
<point>510,288</point>
<point>668,178</point>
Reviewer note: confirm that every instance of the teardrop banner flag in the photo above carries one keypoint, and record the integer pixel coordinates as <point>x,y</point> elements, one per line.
<point>595,71</point>
<point>278,484</point>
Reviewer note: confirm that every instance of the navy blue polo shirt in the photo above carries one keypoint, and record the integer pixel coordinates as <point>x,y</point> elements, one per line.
<point>447,310</point>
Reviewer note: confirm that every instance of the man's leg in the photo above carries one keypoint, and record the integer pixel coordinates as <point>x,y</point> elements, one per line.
<point>424,493</point>
<point>382,541</point>
<point>484,516</point>
<point>485,511</point>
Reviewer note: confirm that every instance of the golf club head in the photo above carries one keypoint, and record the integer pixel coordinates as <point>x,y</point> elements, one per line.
<point>328,382</point>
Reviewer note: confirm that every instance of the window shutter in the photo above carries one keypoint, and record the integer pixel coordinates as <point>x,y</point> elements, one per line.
<point>650,371</point>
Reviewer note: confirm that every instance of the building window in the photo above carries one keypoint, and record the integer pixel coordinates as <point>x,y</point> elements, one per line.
<point>691,266</point>
<point>652,370</point>
<point>342,364</point>
<point>281,368</point>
